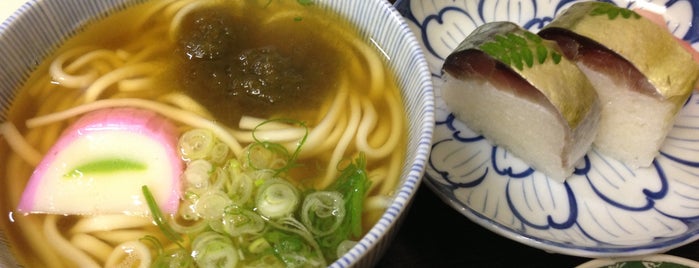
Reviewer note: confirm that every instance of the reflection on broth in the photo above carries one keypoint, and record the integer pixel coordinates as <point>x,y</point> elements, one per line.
<point>267,100</point>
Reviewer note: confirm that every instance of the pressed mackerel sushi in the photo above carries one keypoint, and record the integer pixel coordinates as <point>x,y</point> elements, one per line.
<point>518,91</point>
<point>642,75</point>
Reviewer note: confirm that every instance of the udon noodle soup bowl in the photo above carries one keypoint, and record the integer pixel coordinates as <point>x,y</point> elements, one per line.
<point>146,79</point>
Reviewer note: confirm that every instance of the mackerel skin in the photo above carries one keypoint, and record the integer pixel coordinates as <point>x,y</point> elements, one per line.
<point>524,66</point>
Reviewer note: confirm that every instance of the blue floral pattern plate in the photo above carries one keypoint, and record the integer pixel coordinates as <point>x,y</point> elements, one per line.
<point>654,261</point>
<point>605,209</point>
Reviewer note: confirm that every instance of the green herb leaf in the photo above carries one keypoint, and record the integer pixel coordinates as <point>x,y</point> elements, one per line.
<point>528,57</point>
<point>493,49</point>
<point>516,40</point>
<point>518,50</point>
<point>517,60</point>
<point>533,37</point>
<point>627,13</point>
<point>541,53</point>
<point>556,57</point>
<point>353,185</point>
<point>612,12</point>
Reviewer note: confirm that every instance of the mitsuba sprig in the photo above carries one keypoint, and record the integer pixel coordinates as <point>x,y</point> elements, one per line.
<point>520,49</point>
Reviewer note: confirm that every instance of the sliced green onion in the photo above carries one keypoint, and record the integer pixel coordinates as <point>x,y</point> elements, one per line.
<point>189,227</point>
<point>293,243</point>
<point>323,212</point>
<point>211,205</point>
<point>219,179</point>
<point>219,153</point>
<point>248,203</point>
<point>259,245</point>
<point>261,155</point>
<point>187,207</point>
<point>260,176</point>
<point>196,143</point>
<point>158,218</point>
<point>277,149</point>
<point>239,186</point>
<point>266,261</point>
<point>276,198</point>
<point>237,221</point>
<point>177,258</point>
<point>197,173</point>
<point>344,247</point>
<point>211,249</point>
<point>153,240</point>
<point>240,189</point>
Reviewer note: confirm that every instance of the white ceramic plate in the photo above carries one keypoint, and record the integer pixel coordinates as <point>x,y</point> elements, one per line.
<point>655,261</point>
<point>606,209</point>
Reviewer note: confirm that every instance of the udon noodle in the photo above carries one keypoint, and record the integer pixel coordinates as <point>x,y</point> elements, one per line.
<point>126,61</point>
